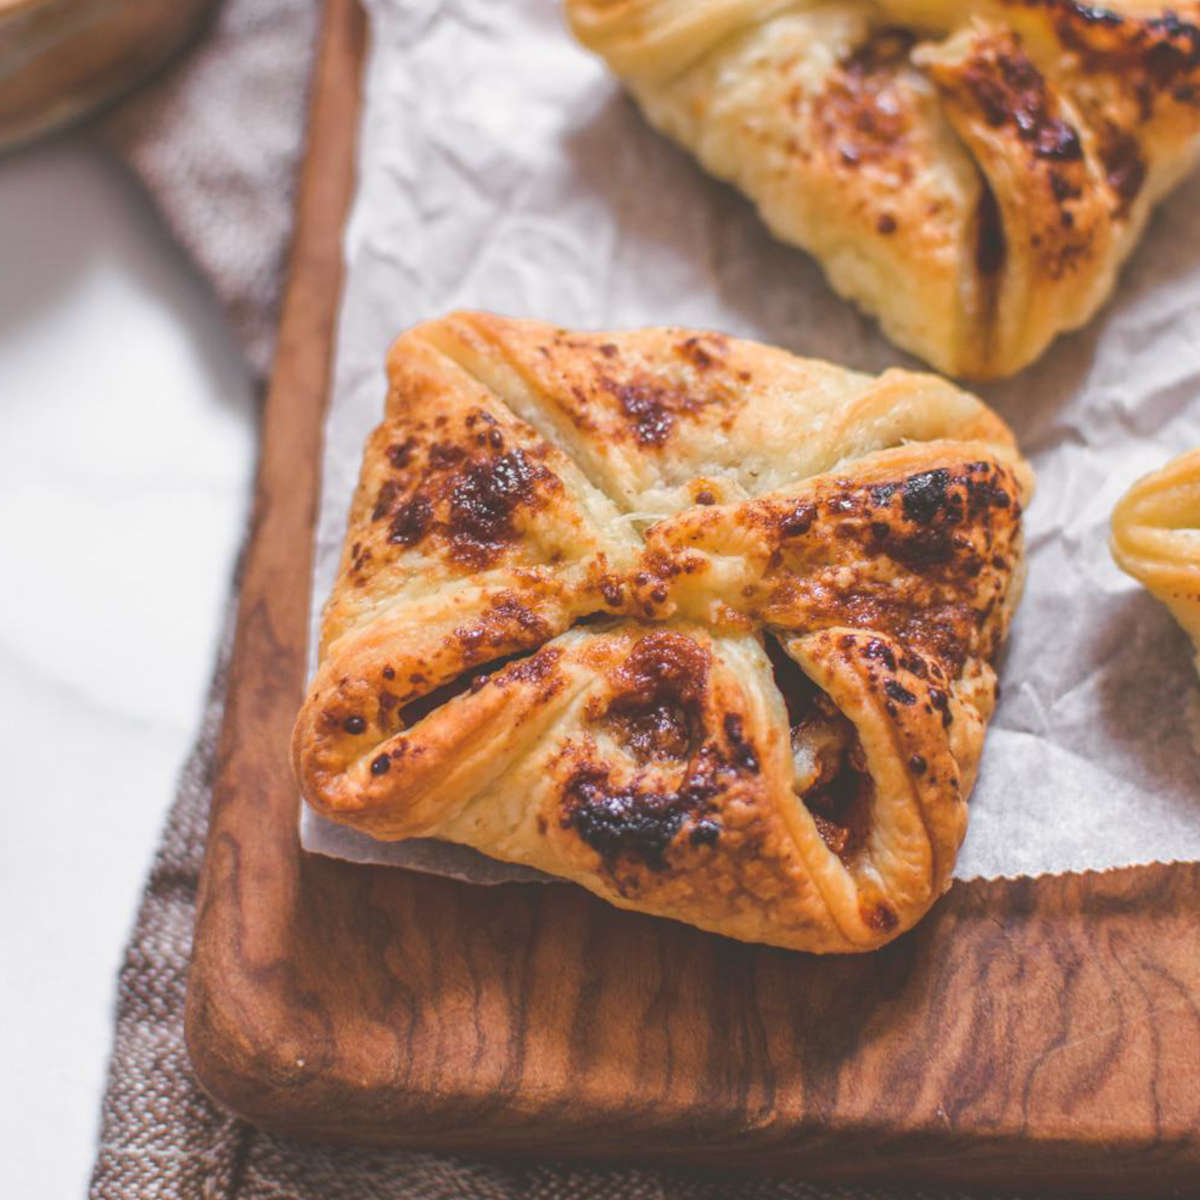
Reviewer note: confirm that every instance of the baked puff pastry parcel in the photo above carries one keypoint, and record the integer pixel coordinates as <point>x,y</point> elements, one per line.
<point>1156,538</point>
<point>971,172</point>
<point>699,625</point>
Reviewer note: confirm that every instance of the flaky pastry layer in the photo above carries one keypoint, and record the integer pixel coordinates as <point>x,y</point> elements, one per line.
<point>971,172</point>
<point>702,626</point>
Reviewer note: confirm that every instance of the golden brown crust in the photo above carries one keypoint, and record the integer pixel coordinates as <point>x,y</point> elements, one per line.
<point>971,173</point>
<point>699,625</point>
<point>1156,538</point>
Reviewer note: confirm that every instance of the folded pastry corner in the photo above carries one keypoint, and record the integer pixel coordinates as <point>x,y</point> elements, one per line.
<point>1156,538</point>
<point>702,626</point>
<point>972,174</point>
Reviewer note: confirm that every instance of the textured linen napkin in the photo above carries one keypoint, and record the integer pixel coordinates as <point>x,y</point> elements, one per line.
<point>217,141</point>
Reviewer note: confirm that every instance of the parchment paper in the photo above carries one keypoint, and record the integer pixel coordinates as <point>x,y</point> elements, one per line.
<point>502,168</point>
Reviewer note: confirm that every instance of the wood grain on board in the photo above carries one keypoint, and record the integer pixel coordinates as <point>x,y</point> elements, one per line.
<point>1036,1030</point>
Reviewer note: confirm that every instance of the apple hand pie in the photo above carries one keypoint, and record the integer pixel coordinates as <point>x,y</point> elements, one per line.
<point>697,624</point>
<point>1156,538</point>
<point>971,172</point>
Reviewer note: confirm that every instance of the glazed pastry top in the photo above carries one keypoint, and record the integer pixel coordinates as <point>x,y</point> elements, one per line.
<point>971,173</point>
<point>702,626</point>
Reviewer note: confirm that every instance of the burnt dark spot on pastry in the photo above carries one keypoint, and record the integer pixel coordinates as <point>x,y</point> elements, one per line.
<point>354,724</point>
<point>1150,57</point>
<point>917,764</point>
<point>1058,140</point>
<point>412,521</point>
<point>694,351</point>
<point>389,673</point>
<point>1091,14</point>
<point>705,833</point>
<point>380,765</point>
<point>880,917</point>
<point>798,521</point>
<point>898,692</point>
<point>985,492</point>
<point>608,349</point>
<point>384,499</point>
<point>925,495</point>
<point>612,591</point>
<point>621,821</point>
<point>649,408</point>
<point>705,497</point>
<point>638,820</point>
<point>941,704</point>
<point>919,549</point>
<point>387,700</point>
<point>1062,188</point>
<point>495,439</point>
<point>483,501</point>
<point>400,453</point>
<point>741,752</point>
<point>886,224</point>
<point>444,455</point>
<point>876,649</point>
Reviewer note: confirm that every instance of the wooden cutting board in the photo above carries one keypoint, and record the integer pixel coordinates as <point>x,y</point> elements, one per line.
<point>1034,1031</point>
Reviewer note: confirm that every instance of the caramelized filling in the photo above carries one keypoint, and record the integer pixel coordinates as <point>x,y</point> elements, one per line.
<point>657,698</point>
<point>831,779</point>
<point>474,678</point>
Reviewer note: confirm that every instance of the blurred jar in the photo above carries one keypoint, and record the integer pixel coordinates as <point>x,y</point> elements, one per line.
<point>59,59</point>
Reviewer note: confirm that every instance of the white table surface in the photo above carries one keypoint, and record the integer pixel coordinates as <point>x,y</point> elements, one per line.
<point>127,441</point>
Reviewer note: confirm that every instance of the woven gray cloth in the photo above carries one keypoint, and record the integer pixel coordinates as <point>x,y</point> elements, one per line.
<point>217,139</point>
<point>217,142</point>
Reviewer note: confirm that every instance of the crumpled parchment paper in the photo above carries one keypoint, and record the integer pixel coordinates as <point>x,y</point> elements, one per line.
<point>502,168</point>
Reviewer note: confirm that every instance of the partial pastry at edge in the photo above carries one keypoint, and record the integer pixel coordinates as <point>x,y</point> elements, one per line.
<point>972,174</point>
<point>699,625</point>
<point>1156,538</point>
